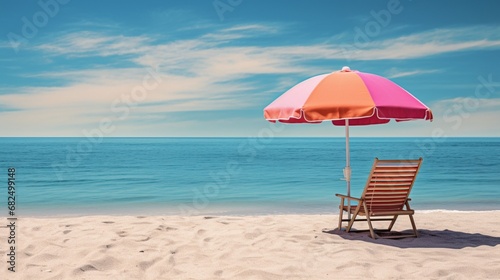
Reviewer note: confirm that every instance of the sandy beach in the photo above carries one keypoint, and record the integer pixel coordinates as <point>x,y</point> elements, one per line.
<point>452,245</point>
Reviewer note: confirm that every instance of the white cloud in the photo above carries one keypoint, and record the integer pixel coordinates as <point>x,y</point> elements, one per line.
<point>397,73</point>
<point>67,110</point>
<point>416,45</point>
<point>251,28</point>
<point>86,43</point>
<point>466,116</point>
<point>206,73</point>
<point>240,31</point>
<point>466,105</point>
<point>4,44</point>
<point>425,43</point>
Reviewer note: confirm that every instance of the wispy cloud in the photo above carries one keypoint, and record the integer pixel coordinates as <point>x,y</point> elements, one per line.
<point>240,31</point>
<point>426,43</point>
<point>455,117</point>
<point>466,116</point>
<point>397,73</point>
<point>464,106</point>
<point>254,28</point>
<point>87,43</point>
<point>204,72</point>
<point>5,44</point>
<point>416,45</point>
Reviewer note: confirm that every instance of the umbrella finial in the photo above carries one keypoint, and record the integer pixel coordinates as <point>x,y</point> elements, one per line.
<point>346,69</point>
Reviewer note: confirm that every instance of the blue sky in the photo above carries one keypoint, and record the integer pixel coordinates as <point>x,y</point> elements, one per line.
<point>208,68</point>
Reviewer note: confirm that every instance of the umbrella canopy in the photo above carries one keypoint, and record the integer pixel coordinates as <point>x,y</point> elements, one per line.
<point>361,98</point>
<point>346,98</point>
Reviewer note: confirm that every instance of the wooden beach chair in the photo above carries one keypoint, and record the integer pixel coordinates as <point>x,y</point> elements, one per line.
<point>384,198</point>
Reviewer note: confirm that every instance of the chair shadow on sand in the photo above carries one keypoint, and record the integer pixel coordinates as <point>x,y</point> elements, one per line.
<point>426,239</point>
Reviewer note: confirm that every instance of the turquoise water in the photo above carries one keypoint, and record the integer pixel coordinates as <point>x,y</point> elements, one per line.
<point>236,175</point>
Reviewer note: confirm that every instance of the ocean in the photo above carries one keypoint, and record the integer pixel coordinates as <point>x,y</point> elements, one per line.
<point>240,176</point>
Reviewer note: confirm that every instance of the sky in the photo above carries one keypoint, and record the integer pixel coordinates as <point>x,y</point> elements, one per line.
<point>208,68</point>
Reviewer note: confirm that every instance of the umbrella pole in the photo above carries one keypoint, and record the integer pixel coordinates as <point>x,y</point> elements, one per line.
<point>347,169</point>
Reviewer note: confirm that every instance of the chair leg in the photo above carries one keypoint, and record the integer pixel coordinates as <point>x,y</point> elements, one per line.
<point>372,232</point>
<point>413,225</point>
<point>341,214</point>
<point>411,219</point>
<point>392,222</point>
<point>353,218</point>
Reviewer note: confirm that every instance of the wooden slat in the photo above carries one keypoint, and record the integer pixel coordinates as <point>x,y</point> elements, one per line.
<point>385,195</point>
<point>391,195</point>
<point>391,179</point>
<point>382,197</point>
<point>398,168</point>
<point>395,170</point>
<point>394,167</point>
<point>373,200</point>
<point>386,189</point>
<point>390,213</point>
<point>386,203</point>
<point>392,174</point>
<point>391,205</point>
<point>380,189</point>
<point>388,186</point>
<point>396,184</point>
<point>398,174</point>
<point>385,184</point>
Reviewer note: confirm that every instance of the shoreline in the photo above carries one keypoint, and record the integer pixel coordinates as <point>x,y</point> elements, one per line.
<point>226,214</point>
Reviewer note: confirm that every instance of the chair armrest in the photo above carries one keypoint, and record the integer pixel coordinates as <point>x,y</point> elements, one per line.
<point>348,197</point>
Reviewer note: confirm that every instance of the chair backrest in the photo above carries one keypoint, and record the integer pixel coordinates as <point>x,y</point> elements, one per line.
<point>390,183</point>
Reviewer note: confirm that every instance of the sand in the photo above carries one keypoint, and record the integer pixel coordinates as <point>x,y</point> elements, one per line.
<point>452,245</point>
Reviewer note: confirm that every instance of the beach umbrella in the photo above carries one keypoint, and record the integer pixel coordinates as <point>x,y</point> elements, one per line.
<point>346,98</point>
